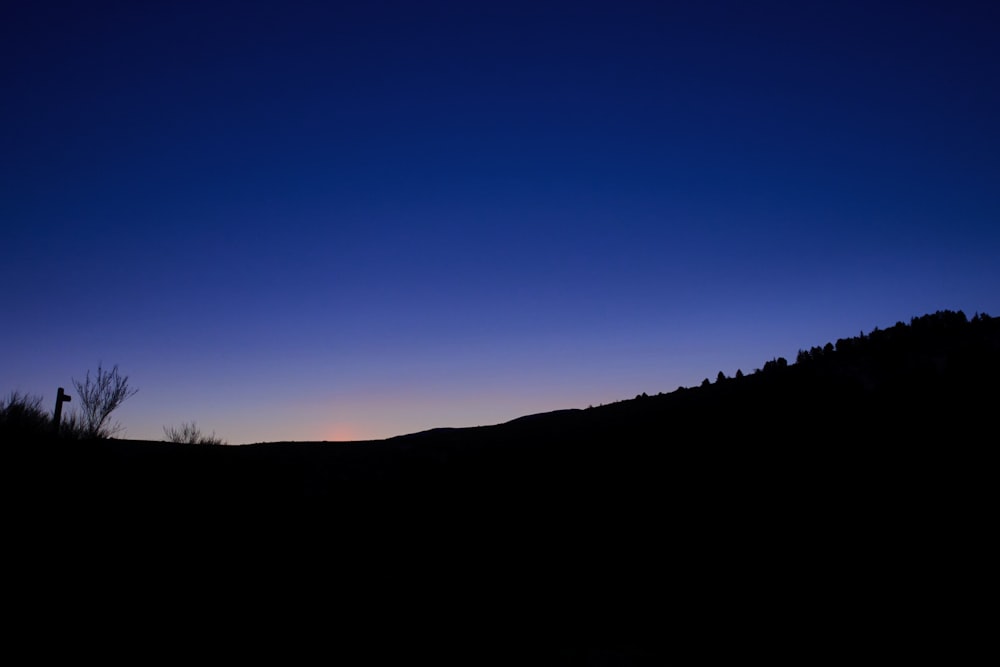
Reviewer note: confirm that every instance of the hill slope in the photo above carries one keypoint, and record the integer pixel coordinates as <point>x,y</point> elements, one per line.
<point>820,505</point>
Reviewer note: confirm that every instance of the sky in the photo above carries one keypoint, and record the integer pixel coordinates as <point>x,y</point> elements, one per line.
<point>353,220</point>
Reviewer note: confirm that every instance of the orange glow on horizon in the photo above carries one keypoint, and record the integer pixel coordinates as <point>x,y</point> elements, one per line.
<point>342,433</point>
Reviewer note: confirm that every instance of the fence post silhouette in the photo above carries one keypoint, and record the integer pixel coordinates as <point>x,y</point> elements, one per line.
<point>61,397</point>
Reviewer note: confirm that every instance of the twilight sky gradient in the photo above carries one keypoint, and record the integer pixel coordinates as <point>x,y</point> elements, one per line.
<point>347,220</point>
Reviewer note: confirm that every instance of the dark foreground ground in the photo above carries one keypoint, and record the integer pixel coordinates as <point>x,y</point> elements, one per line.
<point>805,512</point>
<point>701,550</point>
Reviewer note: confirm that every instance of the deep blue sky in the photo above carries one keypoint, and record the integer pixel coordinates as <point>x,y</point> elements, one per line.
<point>323,220</point>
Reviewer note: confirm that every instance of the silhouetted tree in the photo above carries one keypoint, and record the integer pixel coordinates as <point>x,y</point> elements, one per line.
<point>99,397</point>
<point>776,364</point>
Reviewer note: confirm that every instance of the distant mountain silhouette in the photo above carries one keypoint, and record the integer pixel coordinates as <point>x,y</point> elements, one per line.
<point>823,506</point>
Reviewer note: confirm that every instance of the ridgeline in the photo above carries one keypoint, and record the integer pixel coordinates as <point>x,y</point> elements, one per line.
<point>932,381</point>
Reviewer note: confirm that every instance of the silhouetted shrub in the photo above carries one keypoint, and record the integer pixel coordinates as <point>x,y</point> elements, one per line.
<point>72,427</point>
<point>23,419</point>
<point>190,434</point>
<point>22,416</point>
<point>99,397</point>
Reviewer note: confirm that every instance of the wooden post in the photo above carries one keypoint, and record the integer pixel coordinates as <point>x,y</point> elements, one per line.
<point>61,397</point>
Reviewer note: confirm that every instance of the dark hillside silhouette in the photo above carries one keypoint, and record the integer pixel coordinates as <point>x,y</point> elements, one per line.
<point>815,503</point>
